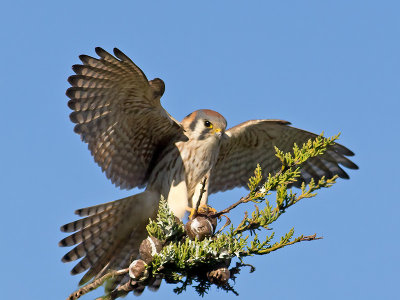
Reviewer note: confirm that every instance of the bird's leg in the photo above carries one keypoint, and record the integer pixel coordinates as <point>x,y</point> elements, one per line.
<point>200,191</point>
<point>191,212</point>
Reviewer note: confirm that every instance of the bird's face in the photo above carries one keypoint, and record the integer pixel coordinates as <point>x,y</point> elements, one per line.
<point>204,124</point>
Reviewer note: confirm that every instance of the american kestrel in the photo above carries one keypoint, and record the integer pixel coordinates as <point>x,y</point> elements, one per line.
<point>136,143</point>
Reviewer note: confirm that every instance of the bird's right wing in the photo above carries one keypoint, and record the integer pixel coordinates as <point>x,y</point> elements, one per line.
<point>252,142</point>
<point>117,111</point>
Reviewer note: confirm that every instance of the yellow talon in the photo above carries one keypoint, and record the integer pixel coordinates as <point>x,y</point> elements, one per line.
<point>203,209</point>
<point>192,213</point>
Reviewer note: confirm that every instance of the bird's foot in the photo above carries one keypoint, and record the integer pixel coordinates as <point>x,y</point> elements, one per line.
<point>203,209</point>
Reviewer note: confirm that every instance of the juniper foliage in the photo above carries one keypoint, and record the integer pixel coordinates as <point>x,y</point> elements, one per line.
<point>184,258</point>
<point>186,262</point>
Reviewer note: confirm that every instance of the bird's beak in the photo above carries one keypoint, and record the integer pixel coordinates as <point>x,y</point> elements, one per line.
<point>218,132</point>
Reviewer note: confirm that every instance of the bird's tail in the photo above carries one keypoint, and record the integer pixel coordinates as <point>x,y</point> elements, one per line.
<point>109,235</point>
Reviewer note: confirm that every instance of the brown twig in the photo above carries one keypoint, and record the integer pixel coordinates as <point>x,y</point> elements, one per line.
<point>311,237</point>
<point>122,290</point>
<point>228,209</point>
<point>228,221</point>
<point>202,191</point>
<point>96,283</point>
<point>248,197</point>
<point>280,245</point>
<point>245,199</point>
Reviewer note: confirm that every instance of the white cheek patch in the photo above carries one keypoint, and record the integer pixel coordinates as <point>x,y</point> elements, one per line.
<point>198,129</point>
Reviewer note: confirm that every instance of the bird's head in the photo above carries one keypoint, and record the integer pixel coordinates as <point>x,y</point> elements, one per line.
<point>203,124</point>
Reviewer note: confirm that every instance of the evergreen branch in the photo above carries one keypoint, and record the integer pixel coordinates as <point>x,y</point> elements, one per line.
<point>189,255</point>
<point>264,248</point>
<point>188,260</point>
<point>166,226</point>
<point>120,291</point>
<point>96,283</point>
<point>286,175</point>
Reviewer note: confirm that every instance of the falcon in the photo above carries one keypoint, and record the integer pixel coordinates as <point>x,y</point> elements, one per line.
<point>137,143</point>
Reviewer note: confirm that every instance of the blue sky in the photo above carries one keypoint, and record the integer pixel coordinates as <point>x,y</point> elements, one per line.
<point>329,66</point>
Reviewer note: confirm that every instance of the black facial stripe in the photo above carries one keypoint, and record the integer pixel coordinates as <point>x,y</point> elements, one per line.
<point>193,124</point>
<point>203,135</point>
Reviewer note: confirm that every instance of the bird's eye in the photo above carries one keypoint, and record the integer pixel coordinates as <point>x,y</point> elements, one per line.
<point>208,124</point>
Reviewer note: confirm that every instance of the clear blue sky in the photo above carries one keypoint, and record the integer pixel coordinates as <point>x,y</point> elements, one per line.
<point>323,65</point>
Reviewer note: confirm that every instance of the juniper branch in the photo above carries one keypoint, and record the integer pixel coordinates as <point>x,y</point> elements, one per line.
<point>285,175</point>
<point>190,259</point>
<point>96,283</point>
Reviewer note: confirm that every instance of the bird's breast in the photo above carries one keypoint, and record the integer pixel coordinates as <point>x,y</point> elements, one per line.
<point>198,158</point>
<point>189,161</point>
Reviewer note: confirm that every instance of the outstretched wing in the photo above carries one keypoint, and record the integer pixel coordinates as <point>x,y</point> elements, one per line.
<point>118,113</point>
<point>252,143</point>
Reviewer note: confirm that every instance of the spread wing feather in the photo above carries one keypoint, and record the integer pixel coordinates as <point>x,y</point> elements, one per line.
<point>117,111</point>
<point>252,142</point>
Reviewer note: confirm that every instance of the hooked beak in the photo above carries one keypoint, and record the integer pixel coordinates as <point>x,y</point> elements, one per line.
<point>218,132</point>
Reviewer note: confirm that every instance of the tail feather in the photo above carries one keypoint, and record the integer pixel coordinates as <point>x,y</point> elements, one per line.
<point>126,248</point>
<point>87,222</point>
<point>96,209</point>
<point>154,286</point>
<point>86,233</point>
<point>94,241</point>
<point>110,235</point>
<point>139,290</point>
<point>129,250</point>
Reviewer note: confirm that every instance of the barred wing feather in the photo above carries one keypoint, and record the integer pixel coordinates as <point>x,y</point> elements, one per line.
<point>252,142</point>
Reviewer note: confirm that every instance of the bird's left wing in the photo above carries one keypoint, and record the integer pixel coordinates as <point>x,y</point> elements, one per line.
<point>252,142</point>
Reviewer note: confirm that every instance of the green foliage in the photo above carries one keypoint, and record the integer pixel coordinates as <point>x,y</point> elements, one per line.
<point>166,225</point>
<point>183,258</point>
<point>310,149</point>
<point>188,261</point>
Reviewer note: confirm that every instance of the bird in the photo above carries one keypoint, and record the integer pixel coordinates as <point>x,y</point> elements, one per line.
<point>117,111</point>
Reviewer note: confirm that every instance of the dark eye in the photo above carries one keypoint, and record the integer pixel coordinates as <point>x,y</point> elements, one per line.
<point>207,124</point>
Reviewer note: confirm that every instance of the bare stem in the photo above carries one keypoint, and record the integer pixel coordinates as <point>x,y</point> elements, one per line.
<point>228,209</point>
<point>311,237</point>
<point>281,245</point>
<point>202,191</point>
<point>96,283</point>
